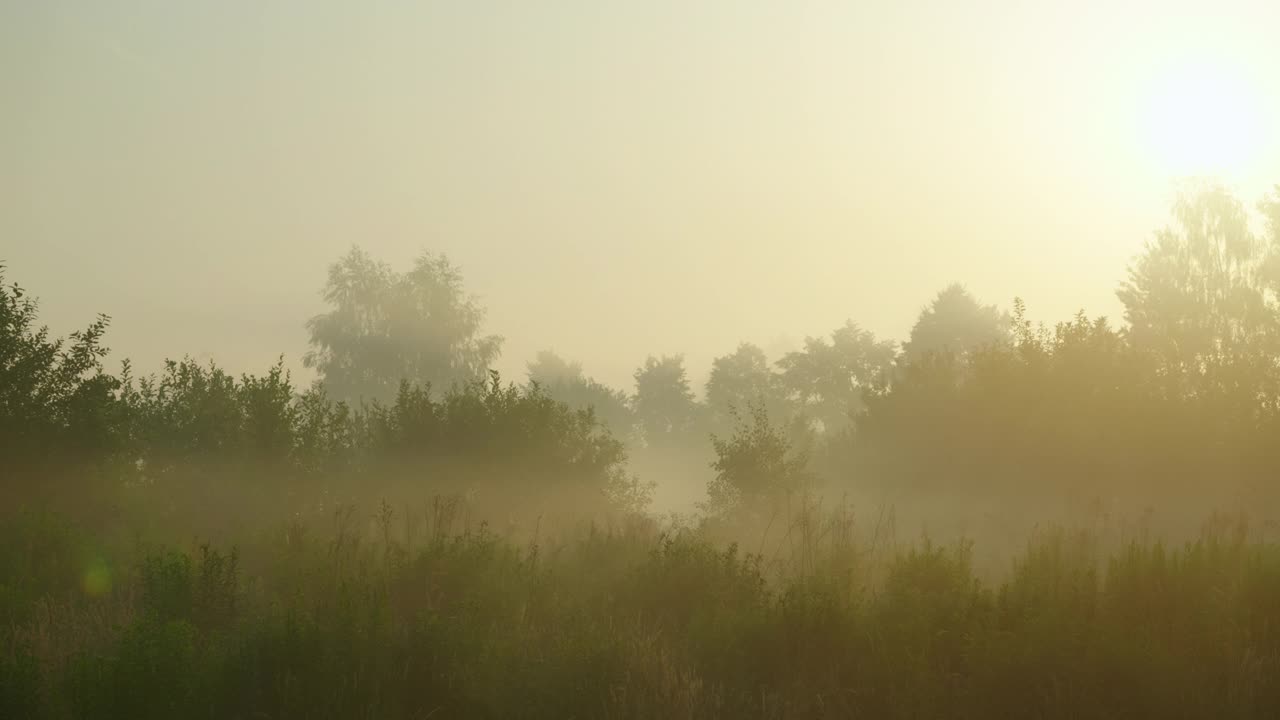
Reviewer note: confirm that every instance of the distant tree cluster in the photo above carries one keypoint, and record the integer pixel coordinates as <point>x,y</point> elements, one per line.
<point>68,427</point>
<point>976,399</point>
<point>1186,393</point>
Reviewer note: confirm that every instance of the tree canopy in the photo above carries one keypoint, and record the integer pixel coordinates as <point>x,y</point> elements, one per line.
<point>55,399</point>
<point>740,379</point>
<point>384,327</point>
<point>666,410</point>
<point>1198,299</point>
<point>955,321</point>
<point>828,378</point>
<point>756,464</point>
<point>565,381</point>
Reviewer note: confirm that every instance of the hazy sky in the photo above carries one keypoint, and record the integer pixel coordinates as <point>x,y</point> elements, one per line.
<point>615,178</point>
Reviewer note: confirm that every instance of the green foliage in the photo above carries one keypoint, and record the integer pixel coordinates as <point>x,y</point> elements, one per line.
<point>55,399</point>
<point>756,466</point>
<point>201,414</point>
<point>490,433</point>
<point>630,622</point>
<point>20,679</point>
<point>40,555</point>
<point>1078,408</point>
<point>195,442</point>
<point>170,588</point>
<point>151,671</point>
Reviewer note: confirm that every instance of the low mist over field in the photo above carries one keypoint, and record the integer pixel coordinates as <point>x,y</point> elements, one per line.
<point>690,360</point>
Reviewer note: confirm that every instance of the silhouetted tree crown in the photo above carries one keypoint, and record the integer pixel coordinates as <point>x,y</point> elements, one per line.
<point>56,403</point>
<point>740,379</point>
<point>384,327</point>
<point>565,381</point>
<point>755,465</point>
<point>665,407</point>
<point>1187,392</point>
<point>955,322</point>
<point>828,378</point>
<point>548,368</point>
<point>1198,298</point>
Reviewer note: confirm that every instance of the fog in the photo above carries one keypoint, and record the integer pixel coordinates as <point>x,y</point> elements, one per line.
<point>614,179</point>
<point>580,358</point>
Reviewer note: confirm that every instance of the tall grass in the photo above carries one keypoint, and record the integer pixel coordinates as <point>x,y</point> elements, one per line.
<point>398,614</point>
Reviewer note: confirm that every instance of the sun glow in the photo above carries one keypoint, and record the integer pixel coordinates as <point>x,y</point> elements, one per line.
<point>1203,118</point>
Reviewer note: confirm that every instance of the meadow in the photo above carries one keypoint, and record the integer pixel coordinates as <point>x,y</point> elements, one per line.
<point>422,616</point>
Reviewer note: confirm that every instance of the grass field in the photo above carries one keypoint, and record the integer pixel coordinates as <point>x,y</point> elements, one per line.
<point>416,617</point>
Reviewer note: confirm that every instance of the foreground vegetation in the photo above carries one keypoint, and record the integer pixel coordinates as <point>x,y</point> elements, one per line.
<point>428,618</point>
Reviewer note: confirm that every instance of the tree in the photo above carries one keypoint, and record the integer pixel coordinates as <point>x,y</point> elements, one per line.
<point>520,444</point>
<point>742,378</point>
<point>829,378</point>
<point>564,381</point>
<point>551,369</point>
<point>195,415</point>
<point>1270,208</point>
<point>754,465</point>
<point>384,327</point>
<point>955,322</point>
<point>665,408</point>
<point>1197,299</point>
<point>57,406</point>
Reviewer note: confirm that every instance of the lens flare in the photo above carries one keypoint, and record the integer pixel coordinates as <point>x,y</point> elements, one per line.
<point>96,580</point>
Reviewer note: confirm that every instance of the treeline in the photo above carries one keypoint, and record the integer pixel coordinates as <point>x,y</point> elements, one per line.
<point>1183,395</point>
<point>211,448</point>
<point>1180,400</point>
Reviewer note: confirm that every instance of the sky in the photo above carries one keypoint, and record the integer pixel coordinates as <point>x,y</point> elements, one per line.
<point>616,179</point>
